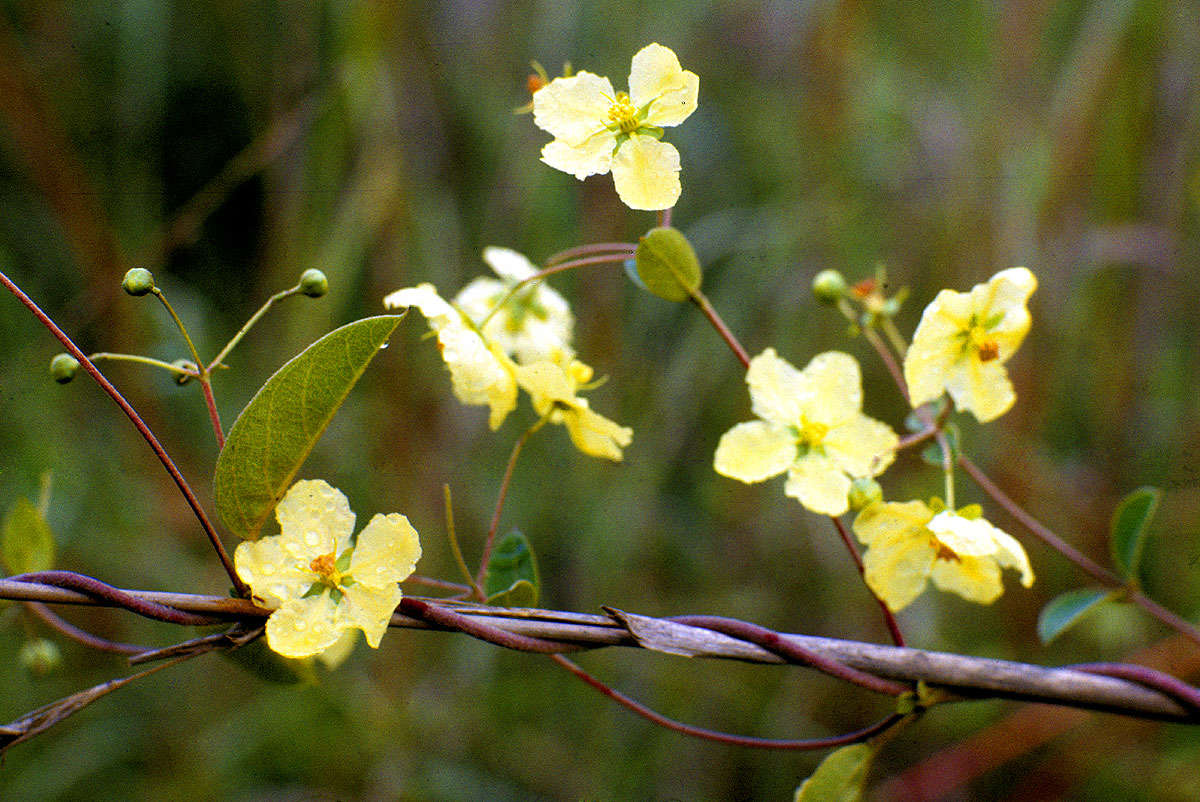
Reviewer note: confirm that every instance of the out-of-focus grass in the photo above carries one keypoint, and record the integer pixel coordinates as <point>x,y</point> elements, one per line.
<point>948,140</point>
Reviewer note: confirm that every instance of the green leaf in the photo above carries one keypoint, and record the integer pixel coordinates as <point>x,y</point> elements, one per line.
<point>1064,610</point>
<point>512,574</point>
<point>26,544</point>
<point>840,777</point>
<point>667,264</point>
<point>1129,525</point>
<point>281,424</point>
<point>932,454</point>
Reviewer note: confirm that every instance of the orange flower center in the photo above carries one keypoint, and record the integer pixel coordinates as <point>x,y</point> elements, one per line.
<point>622,114</point>
<point>325,566</point>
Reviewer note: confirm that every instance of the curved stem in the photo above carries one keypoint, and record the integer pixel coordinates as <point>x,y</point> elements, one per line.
<point>143,360</point>
<point>724,737</point>
<point>100,590</point>
<point>888,618</point>
<point>701,300</point>
<point>1174,687</point>
<point>237,338</point>
<point>602,259</point>
<point>591,248</point>
<point>445,617</point>
<point>139,424</point>
<point>69,630</point>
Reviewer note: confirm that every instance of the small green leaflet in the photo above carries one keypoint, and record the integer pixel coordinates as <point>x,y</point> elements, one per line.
<point>1129,525</point>
<point>279,427</point>
<point>1064,610</point>
<point>840,777</point>
<point>26,543</point>
<point>512,574</point>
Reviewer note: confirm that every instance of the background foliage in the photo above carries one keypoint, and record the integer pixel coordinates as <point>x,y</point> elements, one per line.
<point>228,146</point>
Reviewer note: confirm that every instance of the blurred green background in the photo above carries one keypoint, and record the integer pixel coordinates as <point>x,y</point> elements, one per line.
<point>228,146</point>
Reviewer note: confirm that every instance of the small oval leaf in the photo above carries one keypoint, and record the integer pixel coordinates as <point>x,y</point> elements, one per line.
<point>840,777</point>
<point>1129,525</point>
<point>667,264</point>
<point>26,544</point>
<point>512,574</point>
<point>1064,610</point>
<point>281,424</point>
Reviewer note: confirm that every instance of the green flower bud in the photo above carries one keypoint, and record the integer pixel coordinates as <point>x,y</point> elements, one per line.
<point>186,364</point>
<point>313,283</point>
<point>40,656</point>
<point>63,368</point>
<point>863,493</point>
<point>829,286</point>
<point>138,281</point>
<point>667,264</point>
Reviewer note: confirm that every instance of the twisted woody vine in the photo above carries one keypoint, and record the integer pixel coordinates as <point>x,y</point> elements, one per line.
<point>310,582</point>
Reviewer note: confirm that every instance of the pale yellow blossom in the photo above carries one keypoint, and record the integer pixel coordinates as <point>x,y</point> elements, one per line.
<point>597,129</point>
<point>812,426</point>
<point>553,389</point>
<point>480,373</point>
<point>320,584</point>
<point>963,341</point>
<point>910,544</point>
<point>535,324</point>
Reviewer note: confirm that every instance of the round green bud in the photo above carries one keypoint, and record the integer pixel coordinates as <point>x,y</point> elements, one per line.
<point>40,656</point>
<point>313,283</point>
<point>667,264</point>
<point>63,368</point>
<point>185,364</point>
<point>138,281</point>
<point>863,493</point>
<point>829,286</point>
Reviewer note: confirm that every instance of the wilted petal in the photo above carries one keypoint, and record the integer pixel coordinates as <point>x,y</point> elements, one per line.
<point>646,173</point>
<point>754,451</point>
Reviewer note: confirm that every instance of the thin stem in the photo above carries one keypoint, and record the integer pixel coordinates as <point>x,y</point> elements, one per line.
<point>888,618</point>
<point>69,630</point>
<point>894,336</point>
<point>495,524</point>
<point>237,338</point>
<point>161,296</point>
<point>595,247</point>
<point>723,737</point>
<point>100,590</point>
<point>138,423</point>
<point>452,534</point>
<point>445,617</point>
<point>701,300</point>
<point>664,217</point>
<point>211,403</point>
<point>603,259</point>
<point>144,360</point>
<point>439,584</point>
<point>889,361</point>
<point>1089,566</point>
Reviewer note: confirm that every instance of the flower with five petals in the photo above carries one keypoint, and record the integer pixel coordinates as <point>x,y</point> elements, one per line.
<point>552,387</point>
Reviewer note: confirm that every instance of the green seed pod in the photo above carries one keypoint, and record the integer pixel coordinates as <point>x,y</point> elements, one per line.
<point>63,368</point>
<point>138,281</point>
<point>863,493</point>
<point>186,364</point>
<point>40,656</point>
<point>829,287</point>
<point>313,283</point>
<point>667,264</point>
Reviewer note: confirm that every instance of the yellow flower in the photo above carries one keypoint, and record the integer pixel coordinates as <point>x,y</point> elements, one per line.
<point>533,325</point>
<point>320,584</point>
<point>963,341</point>
<point>552,389</point>
<point>811,426</point>
<point>596,129</point>
<point>909,544</point>
<point>480,373</point>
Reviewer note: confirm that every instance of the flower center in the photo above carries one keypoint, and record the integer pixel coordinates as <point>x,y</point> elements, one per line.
<point>622,114</point>
<point>809,434</point>
<point>944,552</point>
<point>325,567</point>
<point>977,337</point>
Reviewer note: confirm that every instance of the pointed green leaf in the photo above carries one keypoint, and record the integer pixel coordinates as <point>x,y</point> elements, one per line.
<point>281,424</point>
<point>667,264</point>
<point>512,574</point>
<point>1064,610</point>
<point>26,544</point>
<point>1129,524</point>
<point>840,777</point>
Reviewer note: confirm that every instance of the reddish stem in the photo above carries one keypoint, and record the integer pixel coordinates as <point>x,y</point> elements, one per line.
<point>701,300</point>
<point>626,249</point>
<point>211,403</point>
<point>888,618</point>
<point>723,737</point>
<point>97,589</point>
<point>490,541</point>
<point>139,424</point>
<point>67,629</point>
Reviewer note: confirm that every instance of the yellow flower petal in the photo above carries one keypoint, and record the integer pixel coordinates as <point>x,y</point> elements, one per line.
<point>594,434</point>
<point>437,311</point>
<point>755,451</point>
<point>573,109</point>
<point>368,608</point>
<point>386,552</point>
<point>965,537</point>
<point>881,522</point>
<point>593,156</point>
<point>303,627</point>
<point>976,579</point>
<point>981,388</point>
<point>646,173</point>
<point>508,264</point>
<point>477,375</point>
<point>778,391</point>
<point>314,518</point>
<point>273,572</point>
<point>656,76</point>
<point>833,387</point>
<point>1011,554</point>
<point>861,446</point>
<point>341,649</point>
<point>897,568</point>
<point>819,484</point>
<point>552,389</point>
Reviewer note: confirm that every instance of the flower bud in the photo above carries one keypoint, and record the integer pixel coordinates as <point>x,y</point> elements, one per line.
<point>313,283</point>
<point>829,286</point>
<point>863,493</point>
<point>185,364</point>
<point>667,265</point>
<point>138,281</point>
<point>40,656</point>
<point>63,368</point>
